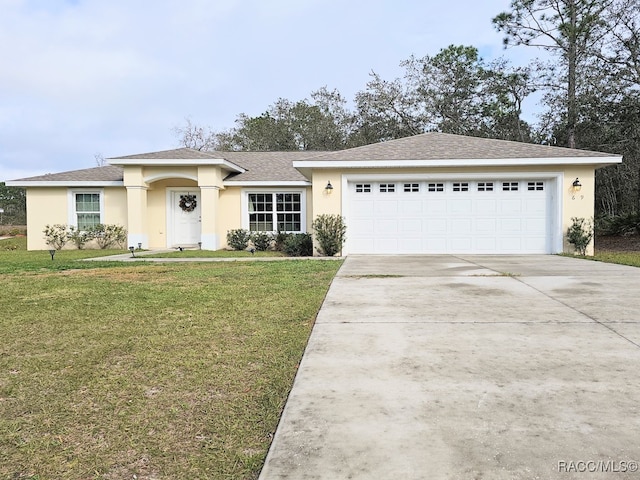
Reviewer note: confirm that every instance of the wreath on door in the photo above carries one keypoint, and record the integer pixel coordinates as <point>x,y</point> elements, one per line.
<point>188,203</point>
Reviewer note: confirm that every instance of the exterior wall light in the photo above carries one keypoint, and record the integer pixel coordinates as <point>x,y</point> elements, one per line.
<point>576,185</point>
<point>329,188</point>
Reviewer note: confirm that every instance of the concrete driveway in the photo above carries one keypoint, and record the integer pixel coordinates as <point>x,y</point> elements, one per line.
<point>468,367</point>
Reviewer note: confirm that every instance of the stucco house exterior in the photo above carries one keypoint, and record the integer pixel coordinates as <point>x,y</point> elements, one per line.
<point>431,193</point>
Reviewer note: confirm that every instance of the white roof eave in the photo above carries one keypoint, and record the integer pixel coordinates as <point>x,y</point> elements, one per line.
<point>177,162</point>
<point>62,183</point>
<point>480,162</point>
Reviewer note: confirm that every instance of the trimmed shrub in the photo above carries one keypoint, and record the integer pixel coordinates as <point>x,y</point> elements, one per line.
<point>579,234</point>
<point>279,240</point>
<point>298,245</point>
<point>56,236</point>
<point>238,239</point>
<point>109,235</point>
<point>261,240</point>
<point>330,233</point>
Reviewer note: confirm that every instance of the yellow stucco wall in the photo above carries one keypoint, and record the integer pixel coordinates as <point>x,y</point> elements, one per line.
<point>45,206</point>
<point>51,206</point>
<point>230,212</point>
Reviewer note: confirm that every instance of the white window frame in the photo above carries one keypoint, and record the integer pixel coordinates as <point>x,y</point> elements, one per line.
<point>274,191</point>
<point>71,201</point>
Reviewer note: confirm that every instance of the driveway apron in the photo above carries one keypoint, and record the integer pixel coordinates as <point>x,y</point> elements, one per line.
<point>468,367</point>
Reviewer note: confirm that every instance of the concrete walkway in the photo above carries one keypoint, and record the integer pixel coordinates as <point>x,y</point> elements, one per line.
<point>472,367</point>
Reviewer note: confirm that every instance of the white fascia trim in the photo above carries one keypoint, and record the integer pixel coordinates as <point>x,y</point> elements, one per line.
<point>265,183</point>
<point>472,162</point>
<point>59,183</point>
<point>179,162</point>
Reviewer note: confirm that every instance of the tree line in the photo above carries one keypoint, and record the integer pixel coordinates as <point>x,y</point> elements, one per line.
<point>589,84</point>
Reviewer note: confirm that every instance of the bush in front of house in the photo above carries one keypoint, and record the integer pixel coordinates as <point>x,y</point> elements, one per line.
<point>579,234</point>
<point>278,241</point>
<point>56,236</point>
<point>109,235</point>
<point>238,239</point>
<point>298,245</point>
<point>105,236</point>
<point>79,237</point>
<point>261,240</point>
<point>331,233</point>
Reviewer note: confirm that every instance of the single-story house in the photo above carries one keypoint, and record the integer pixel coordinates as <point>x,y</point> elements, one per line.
<point>427,194</point>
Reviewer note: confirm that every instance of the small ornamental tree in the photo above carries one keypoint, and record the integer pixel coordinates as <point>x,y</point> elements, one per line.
<point>57,235</point>
<point>109,235</point>
<point>80,237</point>
<point>330,233</point>
<point>580,234</point>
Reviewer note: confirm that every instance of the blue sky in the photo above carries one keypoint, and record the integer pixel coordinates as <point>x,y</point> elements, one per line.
<point>81,77</point>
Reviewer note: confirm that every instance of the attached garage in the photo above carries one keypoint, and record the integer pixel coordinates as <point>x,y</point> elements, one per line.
<point>469,214</point>
<point>438,193</point>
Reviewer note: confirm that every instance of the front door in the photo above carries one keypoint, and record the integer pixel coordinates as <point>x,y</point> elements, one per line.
<point>184,219</point>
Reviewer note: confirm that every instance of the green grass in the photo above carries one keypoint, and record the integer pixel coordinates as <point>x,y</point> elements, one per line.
<point>114,371</point>
<point>622,258</point>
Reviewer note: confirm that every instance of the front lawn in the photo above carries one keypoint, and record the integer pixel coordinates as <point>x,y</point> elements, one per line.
<point>148,371</point>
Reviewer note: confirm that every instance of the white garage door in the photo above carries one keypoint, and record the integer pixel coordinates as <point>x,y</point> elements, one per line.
<point>461,216</point>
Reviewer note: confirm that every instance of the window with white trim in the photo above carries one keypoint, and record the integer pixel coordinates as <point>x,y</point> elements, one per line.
<point>509,186</point>
<point>485,186</point>
<point>460,186</point>
<point>538,186</point>
<point>387,187</point>
<point>411,187</point>
<point>275,212</point>
<point>86,209</point>
<point>363,188</point>
<point>435,187</point>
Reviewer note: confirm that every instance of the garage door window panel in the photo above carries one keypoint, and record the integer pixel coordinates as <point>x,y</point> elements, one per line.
<point>460,186</point>
<point>485,186</point>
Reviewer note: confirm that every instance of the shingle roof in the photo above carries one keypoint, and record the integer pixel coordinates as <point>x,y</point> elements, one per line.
<point>277,166</point>
<point>267,166</point>
<point>175,154</point>
<point>442,146</point>
<point>108,173</point>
